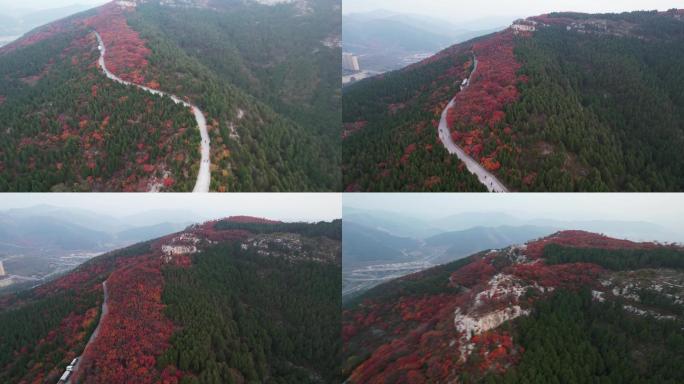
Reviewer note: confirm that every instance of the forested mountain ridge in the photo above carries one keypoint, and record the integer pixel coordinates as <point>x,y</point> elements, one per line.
<point>572,305</point>
<point>272,111</point>
<point>558,102</point>
<point>229,301</point>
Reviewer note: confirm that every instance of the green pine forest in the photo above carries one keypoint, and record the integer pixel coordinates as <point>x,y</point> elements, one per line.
<point>72,124</point>
<point>571,338</point>
<point>267,78</point>
<point>253,319</point>
<point>255,59</point>
<point>372,157</point>
<point>599,113</point>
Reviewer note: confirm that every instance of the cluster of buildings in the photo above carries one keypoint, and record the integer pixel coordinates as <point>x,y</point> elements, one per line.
<point>288,246</point>
<point>522,25</point>
<point>274,245</point>
<point>589,26</point>
<point>184,244</point>
<point>126,4</point>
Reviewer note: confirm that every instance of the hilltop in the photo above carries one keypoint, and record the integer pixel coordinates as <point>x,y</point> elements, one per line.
<point>234,300</point>
<point>241,73</point>
<point>557,102</point>
<point>573,304</point>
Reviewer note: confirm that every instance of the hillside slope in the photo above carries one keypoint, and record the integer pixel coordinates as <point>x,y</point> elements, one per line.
<point>231,301</point>
<point>269,109</point>
<point>559,102</point>
<point>572,305</point>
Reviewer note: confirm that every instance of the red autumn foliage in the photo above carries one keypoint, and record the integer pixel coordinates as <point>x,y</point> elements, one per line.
<point>350,128</point>
<point>490,163</point>
<point>208,230</point>
<point>415,377</point>
<point>481,104</point>
<point>431,182</point>
<point>407,153</point>
<point>492,86</point>
<point>252,220</point>
<point>549,20</point>
<point>496,351</point>
<point>560,275</point>
<point>413,336</point>
<point>153,84</point>
<point>473,273</point>
<point>582,239</point>
<point>135,331</point>
<point>420,309</point>
<point>529,179</point>
<point>126,52</point>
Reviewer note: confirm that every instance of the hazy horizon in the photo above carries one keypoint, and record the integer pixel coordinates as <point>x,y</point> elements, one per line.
<point>280,206</point>
<point>457,12</point>
<point>661,209</point>
<point>39,5</point>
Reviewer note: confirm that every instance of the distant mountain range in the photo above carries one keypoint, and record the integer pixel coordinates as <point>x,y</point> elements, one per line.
<point>365,245</point>
<point>468,241</point>
<point>387,40</point>
<point>14,23</point>
<point>380,245</point>
<point>46,226</point>
<point>40,241</point>
<point>406,225</point>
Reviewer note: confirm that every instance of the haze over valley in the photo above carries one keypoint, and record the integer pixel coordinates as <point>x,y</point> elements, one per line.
<point>381,243</point>
<point>41,242</point>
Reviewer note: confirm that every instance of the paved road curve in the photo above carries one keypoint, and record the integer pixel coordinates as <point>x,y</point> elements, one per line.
<point>486,178</point>
<point>204,176</point>
<point>93,336</point>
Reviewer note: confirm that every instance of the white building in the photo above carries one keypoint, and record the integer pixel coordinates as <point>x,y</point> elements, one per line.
<point>524,26</point>
<point>170,250</point>
<point>350,62</point>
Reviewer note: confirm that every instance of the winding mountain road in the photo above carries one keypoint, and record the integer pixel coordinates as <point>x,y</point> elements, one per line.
<point>485,177</point>
<point>93,336</point>
<point>204,176</point>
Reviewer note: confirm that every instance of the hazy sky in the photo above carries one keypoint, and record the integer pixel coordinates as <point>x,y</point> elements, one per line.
<point>282,206</point>
<point>45,4</point>
<point>657,208</point>
<point>468,10</point>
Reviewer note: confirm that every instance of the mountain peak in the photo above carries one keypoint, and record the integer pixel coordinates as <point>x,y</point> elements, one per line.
<point>251,220</point>
<point>583,239</point>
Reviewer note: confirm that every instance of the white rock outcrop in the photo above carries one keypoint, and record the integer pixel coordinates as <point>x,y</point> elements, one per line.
<point>471,326</point>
